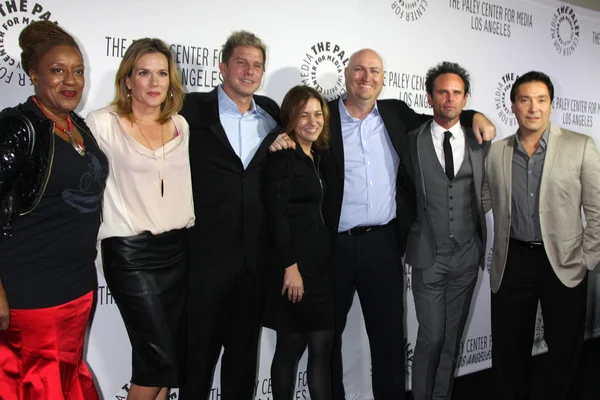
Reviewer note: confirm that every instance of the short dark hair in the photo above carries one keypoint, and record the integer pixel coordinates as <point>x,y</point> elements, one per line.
<point>291,108</point>
<point>532,76</point>
<point>38,38</point>
<point>447,67</point>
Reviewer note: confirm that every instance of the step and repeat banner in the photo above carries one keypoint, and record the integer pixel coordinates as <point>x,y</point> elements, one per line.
<point>310,42</point>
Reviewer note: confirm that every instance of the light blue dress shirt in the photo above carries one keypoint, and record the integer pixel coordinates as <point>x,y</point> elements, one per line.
<point>370,171</point>
<point>245,131</point>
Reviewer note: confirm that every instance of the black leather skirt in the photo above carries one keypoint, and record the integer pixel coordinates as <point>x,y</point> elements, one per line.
<point>147,277</point>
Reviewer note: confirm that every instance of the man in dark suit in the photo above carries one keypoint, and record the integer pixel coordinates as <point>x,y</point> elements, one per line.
<point>446,243</point>
<point>369,208</point>
<point>230,132</point>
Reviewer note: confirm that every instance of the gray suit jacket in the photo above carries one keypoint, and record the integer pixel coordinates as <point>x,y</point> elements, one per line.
<point>421,246</point>
<point>570,183</point>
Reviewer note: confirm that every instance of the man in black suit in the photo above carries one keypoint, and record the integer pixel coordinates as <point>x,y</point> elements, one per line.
<point>369,208</point>
<point>231,130</point>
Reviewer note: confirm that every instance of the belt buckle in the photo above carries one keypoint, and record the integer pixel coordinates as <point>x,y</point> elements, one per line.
<point>358,231</point>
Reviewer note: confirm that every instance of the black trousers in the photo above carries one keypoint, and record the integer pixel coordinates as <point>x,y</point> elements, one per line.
<point>529,277</point>
<point>223,311</point>
<point>371,265</point>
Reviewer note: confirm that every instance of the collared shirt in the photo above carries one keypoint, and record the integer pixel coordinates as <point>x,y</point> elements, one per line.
<point>457,142</point>
<point>526,180</point>
<point>245,131</point>
<point>370,171</point>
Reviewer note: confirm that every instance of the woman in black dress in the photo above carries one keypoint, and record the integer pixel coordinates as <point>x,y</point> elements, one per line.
<point>300,295</point>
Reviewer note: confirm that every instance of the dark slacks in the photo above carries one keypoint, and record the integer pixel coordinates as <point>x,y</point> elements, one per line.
<point>371,265</point>
<point>529,277</point>
<point>223,311</point>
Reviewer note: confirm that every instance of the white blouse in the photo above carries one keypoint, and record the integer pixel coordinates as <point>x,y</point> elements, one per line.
<point>132,199</point>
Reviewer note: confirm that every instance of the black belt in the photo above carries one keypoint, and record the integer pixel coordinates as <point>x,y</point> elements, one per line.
<point>531,245</point>
<point>363,230</point>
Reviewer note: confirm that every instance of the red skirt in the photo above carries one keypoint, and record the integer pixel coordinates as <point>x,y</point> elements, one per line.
<point>41,353</point>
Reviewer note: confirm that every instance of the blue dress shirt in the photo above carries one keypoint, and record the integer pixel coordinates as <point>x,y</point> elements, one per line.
<point>370,171</point>
<point>245,131</point>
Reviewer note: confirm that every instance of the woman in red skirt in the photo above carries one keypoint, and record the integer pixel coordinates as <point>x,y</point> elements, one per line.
<point>52,178</point>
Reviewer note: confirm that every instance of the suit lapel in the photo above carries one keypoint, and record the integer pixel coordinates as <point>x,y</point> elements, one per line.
<point>336,144</point>
<point>262,150</point>
<point>394,127</point>
<point>476,157</point>
<point>507,156</point>
<point>416,146</point>
<point>551,152</point>
<point>213,122</point>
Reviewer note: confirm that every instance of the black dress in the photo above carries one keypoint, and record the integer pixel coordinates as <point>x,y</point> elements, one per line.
<point>294,193</point>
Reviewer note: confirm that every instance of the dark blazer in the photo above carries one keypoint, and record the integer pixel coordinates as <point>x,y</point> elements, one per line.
<point>230,230</point>
<point>399,119</point>
<point>422,246</point>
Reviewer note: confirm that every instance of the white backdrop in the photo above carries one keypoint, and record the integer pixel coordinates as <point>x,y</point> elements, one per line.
<point>309,42</point>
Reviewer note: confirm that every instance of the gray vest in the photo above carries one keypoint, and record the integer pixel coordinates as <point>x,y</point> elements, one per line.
<point>452,206</point>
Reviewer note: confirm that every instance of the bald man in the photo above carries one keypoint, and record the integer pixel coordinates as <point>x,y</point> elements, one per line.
<point>369,208</point>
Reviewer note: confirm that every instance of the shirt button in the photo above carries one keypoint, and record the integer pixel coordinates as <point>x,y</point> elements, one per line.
<point>370,183</point>
<point>451,208</point>
<point>531,194</point>
<point>451,219</point>
<point>450,186</point>
<point>529,171</point>
<point>451,197</point>
<point>368,162</point>
<point>370,205</point>
<point>364,142</point>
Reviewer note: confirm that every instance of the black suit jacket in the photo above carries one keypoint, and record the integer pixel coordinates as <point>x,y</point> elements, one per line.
<point>230,230</point>
<point>399,119</point>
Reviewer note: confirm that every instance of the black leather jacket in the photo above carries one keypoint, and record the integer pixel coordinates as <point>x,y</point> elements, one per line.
<point>25,159</point>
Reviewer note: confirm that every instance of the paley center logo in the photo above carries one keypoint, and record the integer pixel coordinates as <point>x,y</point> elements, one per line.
<point>502,99</point>
<point>14,16</point>
<point>564,30</point>
<point>409,10</point>
<point>323,68</point>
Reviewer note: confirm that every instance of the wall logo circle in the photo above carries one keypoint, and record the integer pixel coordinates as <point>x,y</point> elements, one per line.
<point>502,99</point>
<point>323,68</point>
<point>564,30</point>
<point>14,16</point>
<point>409,10</point>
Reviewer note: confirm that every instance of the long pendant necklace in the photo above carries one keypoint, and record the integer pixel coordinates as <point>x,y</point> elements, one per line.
<point>76,144</point>
<point>162,137</point>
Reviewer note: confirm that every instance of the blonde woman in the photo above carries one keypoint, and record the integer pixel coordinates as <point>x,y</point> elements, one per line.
<point>147,208</point>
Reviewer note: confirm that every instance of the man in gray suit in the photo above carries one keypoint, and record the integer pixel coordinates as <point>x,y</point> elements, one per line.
<point>446,242</point>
